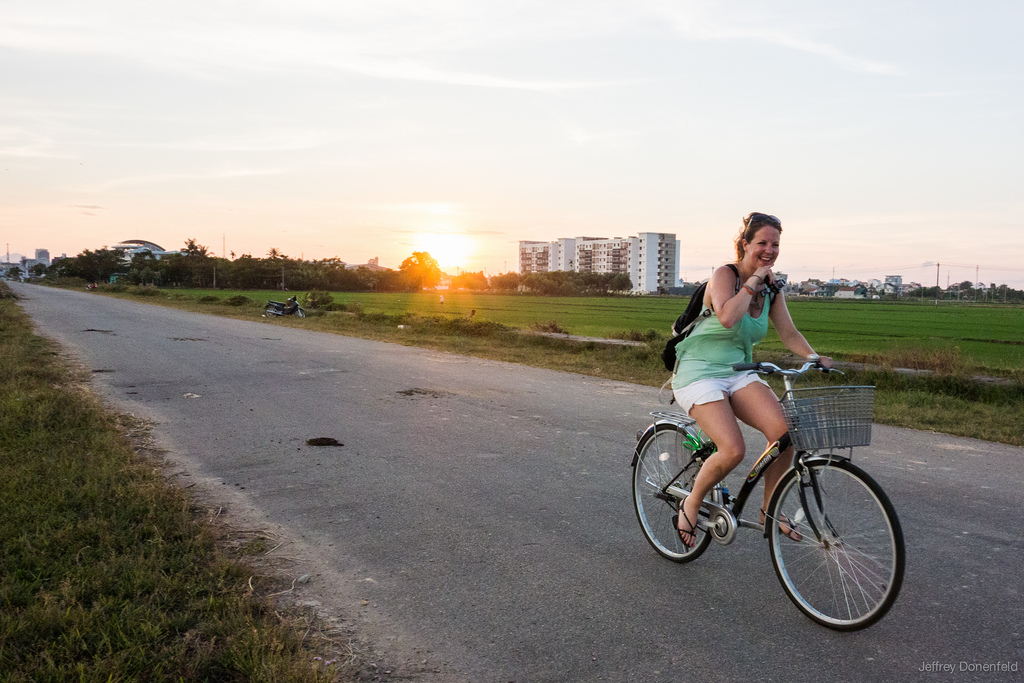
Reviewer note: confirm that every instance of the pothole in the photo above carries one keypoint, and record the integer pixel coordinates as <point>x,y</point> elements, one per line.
<point>416,391</point>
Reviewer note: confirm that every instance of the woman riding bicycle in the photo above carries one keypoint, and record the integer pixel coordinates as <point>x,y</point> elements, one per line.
<point>704,383</point>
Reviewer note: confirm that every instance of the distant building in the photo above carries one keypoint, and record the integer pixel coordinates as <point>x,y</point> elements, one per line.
<point>131,248</point>
<point>651,260</point>
<point>43,256</point>
<point>27,264</point>
<point>373,264</point>
<point>852,292</point>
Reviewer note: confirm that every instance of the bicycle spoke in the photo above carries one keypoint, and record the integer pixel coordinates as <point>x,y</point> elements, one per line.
<point>665,459</point>
<point>849,578</point>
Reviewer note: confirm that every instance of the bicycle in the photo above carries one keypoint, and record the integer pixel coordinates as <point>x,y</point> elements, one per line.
<point>844,566</point>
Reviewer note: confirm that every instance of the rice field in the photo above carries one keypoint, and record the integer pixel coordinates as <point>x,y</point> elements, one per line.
<point>981,336</point>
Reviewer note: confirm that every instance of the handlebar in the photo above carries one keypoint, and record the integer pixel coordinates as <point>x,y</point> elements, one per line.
<point>772,368</point>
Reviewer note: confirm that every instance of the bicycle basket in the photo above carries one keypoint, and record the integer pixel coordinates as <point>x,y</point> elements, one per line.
<point>829,417</point>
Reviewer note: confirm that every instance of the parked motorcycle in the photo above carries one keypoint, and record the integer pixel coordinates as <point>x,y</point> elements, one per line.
<point>279,308</point>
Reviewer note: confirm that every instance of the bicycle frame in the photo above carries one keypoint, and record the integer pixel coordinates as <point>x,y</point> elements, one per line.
<point>724,518</point>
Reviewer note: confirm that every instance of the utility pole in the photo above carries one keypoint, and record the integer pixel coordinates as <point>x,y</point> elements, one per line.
<point>937,283</point>
<point>976,268</point>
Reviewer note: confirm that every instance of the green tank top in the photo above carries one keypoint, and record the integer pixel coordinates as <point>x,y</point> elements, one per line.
<point>712,349</point>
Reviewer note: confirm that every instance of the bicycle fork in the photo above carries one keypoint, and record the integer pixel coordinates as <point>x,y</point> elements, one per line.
<point>809,480</point>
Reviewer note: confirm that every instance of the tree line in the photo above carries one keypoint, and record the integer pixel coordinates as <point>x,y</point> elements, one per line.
<point>196,268</point>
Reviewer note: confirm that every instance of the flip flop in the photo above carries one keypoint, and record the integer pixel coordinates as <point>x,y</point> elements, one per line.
<point>786,526</point>
<point>692,531</point>
<point>790,531</point>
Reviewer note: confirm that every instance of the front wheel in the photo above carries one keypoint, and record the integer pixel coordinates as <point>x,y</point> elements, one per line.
<point>300,313</point>
<point>844,567</point>
<point>663,457</point>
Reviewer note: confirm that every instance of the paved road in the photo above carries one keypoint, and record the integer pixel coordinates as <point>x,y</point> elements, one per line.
<point>482,510</point>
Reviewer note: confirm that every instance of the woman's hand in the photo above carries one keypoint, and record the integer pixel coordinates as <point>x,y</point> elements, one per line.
<point>826,361</point>
<point>765,275</point>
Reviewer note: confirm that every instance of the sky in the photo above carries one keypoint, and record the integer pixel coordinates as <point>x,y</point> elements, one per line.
<point>887,135</point>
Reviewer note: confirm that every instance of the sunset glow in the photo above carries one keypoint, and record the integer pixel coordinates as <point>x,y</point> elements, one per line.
<point>371,130</point>
<point>451,250</point>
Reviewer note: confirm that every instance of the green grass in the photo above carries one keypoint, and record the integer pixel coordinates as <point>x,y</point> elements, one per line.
<point>107,573</point>
<point>986,338</point>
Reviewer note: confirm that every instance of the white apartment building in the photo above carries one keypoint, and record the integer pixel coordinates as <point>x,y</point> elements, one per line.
<point>650,259</point>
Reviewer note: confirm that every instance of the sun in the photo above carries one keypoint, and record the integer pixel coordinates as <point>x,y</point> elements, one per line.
<point>450,250</point>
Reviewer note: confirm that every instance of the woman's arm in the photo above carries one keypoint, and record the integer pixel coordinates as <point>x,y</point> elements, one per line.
<point>790,336</point>
<point>729,305</point>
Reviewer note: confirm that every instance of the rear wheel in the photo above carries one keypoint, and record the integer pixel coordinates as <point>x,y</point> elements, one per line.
<point>662,456</point>
<point>846,570</point>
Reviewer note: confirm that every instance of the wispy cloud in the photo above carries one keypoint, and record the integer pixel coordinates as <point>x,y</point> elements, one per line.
<point>396,40</point>
<point>707,21</point>
<point>417,71</point>
<point>22,142</point>
<point>939,94</point>
<point>164,178</point>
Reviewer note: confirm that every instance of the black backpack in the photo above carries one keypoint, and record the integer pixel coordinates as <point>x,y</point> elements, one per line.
<point>694,313</point>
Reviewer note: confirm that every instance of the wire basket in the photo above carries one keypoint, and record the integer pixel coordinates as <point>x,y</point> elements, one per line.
<point>829,417</point>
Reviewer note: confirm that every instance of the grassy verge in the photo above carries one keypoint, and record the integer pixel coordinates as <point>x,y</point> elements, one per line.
<point>107,572</point>
<point>949,401</point>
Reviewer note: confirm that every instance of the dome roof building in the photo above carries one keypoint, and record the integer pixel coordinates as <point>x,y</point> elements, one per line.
<point>130,248</point>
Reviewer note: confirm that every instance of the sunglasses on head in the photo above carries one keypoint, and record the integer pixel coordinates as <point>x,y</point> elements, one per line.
<point>756,217</point>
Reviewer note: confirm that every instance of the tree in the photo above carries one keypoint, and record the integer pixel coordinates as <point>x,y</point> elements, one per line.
<point>505,281</point>
<point>145,269</point>
<point>198,266</point>
<point>92,266</point>
<point>421,270</point>
<point>194,249</point>
<point>620,282</point>
<point>474,281</point>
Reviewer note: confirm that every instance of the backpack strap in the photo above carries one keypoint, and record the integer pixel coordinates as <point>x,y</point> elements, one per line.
<point>736,272</point>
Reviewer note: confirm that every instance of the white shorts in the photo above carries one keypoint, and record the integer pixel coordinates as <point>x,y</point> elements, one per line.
<point>713,389</point>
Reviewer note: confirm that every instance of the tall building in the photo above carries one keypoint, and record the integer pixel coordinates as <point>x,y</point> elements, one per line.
<point>650,259</point>
<point>43,256</point>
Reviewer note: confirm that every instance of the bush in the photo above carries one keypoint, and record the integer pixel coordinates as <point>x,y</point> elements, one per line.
<point>461,326</point>
<point>69,282</point>
<point>336,306</point>
<point>315,299</point>
<point>550,326</point>
<point>239,300</point>
<point>637,335</point>
<point>144,291</point>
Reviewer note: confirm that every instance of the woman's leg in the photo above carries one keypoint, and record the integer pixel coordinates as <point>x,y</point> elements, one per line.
<point>718,421</point>
<point>758,407</point>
